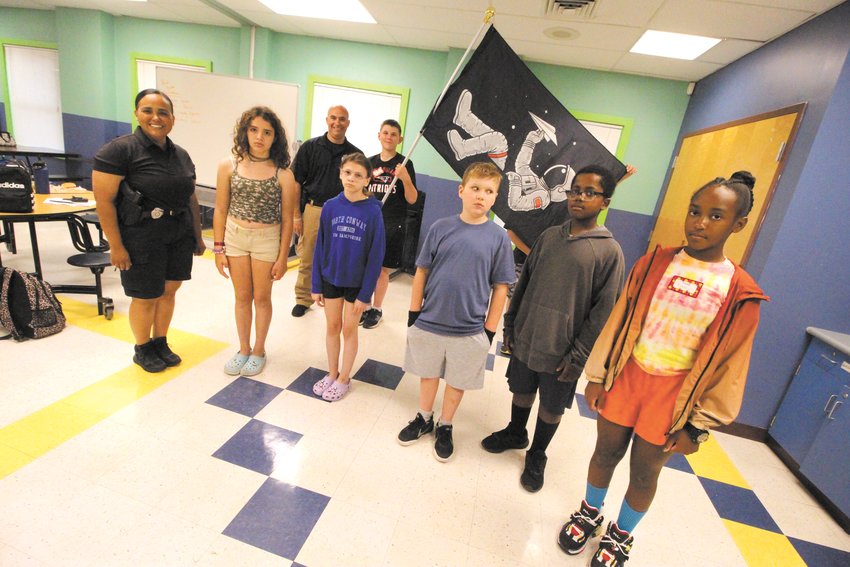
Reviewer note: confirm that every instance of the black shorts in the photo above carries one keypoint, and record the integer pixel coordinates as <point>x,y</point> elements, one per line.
<point>160,250</point>
<point>394,249</point>
<point>330,291</point>
<point>555,396</point>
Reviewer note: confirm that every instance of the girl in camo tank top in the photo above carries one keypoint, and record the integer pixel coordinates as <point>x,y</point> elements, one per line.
<point>252,227</point>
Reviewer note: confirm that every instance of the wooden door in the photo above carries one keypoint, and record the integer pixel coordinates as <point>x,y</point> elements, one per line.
<point>758,144</point>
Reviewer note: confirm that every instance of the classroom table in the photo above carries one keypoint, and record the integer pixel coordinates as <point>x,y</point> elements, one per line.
<point>43,212</point>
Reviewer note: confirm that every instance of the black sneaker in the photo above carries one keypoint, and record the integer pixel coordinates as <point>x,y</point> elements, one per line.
<point>614,548</point>
<point>373,317</point>
<point>363,317</point>
<point>443,445</point>
<point>164,352</point>
<point>583,524</point>
<point>415,429</point>
<point>299,310</point>
<point>532,476</point>
<point>503,440</point>
<point>504,350</point>
<point>147,358</point>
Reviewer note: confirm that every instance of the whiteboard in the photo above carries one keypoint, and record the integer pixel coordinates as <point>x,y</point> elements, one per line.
<point>207,106</point>
<point>367,109</point>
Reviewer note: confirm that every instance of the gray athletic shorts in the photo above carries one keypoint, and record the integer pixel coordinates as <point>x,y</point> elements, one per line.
<point>460,361</point>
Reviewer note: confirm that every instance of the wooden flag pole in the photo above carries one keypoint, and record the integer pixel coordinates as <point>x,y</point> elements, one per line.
<point>488,15</point>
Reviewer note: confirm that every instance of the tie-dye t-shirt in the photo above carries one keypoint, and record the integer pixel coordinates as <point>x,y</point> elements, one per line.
<point>683,306</point>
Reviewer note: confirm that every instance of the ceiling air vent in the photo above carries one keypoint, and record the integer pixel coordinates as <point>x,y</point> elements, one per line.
<point>570,8</point>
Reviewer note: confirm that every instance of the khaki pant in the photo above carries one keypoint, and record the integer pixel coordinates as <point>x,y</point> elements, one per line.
<point>305,248</point>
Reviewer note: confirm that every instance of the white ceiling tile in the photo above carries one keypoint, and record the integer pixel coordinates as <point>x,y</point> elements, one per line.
<point>597,36</point>
<point>725,19</point>
<point>664,67</point>
<point>729,50</point>
<point>815,6</point>
<point>570,56</point>
<point>276,22</point>
<point>435,40</point>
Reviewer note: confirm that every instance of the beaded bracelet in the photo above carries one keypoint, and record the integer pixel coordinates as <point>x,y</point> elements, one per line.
<point>218,250</point>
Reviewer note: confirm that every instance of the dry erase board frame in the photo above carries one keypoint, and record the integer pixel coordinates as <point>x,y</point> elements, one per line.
<point>207,106</point>
<point>368,105</point>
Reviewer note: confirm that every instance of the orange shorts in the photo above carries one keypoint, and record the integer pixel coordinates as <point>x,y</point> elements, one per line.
<point>643,402</point>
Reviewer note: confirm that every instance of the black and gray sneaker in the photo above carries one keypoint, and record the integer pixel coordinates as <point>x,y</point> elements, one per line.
<point>500,441</point>
<point>444,447</point>
<point>163,351</point>
<point>416,428</point>
<point>614,548</point>
<point>532,476</point>
<point>372,318</point>
<point>583,524</point>
<point>147,358</point>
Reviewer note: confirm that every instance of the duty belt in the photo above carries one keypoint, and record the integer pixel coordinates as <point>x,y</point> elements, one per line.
<point>159,212</point>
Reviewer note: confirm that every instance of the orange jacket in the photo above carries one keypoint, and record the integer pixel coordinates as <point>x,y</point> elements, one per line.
<point>713,389</point>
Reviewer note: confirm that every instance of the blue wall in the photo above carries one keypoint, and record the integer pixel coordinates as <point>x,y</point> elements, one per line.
<point>800,257</point>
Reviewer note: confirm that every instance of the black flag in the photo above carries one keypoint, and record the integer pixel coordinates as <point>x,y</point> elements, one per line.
<point>498,110</point>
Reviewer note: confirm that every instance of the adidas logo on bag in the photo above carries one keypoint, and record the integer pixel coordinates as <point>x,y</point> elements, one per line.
<point>7,185</point>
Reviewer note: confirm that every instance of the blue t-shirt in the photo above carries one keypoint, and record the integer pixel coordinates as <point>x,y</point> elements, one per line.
<point>350,245</point>
<point>464,261</point>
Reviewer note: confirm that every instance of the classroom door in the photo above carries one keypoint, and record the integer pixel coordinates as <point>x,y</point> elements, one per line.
<point>758,144</point>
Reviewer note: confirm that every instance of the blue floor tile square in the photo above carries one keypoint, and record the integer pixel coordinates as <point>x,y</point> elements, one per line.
<point>278,518</point>
<point>245,396</point>
<point>304,383</point>
<point>583,409</point>
<point>491,361</point>
<point>822,556</point>
<point>379,374</point>
<point>259,447</point>
<point>678,462</point>
<point>739,505</point>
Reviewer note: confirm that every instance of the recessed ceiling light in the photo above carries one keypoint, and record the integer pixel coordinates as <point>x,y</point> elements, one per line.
<point>673,45</point>
<point>562,34</point>
<point>340,10</point>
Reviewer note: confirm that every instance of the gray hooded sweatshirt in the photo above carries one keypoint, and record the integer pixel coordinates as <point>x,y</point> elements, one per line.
<point>563,297</point>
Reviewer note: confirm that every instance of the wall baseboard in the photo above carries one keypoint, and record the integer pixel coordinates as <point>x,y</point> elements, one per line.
<point>750,432</point>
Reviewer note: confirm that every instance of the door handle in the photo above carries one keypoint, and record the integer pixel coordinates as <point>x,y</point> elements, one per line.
<point>832,398</point>
<point>832,410</point>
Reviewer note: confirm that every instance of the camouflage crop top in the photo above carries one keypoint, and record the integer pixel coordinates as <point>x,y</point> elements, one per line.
<point>255,200</point>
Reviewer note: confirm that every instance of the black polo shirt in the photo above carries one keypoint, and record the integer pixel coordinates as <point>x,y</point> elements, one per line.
<point>166,178</point>
<point>316,168</point>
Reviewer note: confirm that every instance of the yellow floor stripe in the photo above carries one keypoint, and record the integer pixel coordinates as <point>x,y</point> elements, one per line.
<point>28,438</point>
<point>711,461</point>
<point>762,548</point>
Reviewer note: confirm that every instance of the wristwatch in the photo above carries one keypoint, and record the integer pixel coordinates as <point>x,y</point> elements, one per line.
<point>697,435</point>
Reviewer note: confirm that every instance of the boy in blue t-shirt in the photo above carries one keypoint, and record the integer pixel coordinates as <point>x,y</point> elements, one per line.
<point>464,266</point>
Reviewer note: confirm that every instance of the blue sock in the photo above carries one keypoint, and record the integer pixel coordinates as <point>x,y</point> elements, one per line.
<point>595,496</point>
<point>628,518</point>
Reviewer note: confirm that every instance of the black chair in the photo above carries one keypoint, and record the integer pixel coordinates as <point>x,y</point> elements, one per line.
<point>94,257</point>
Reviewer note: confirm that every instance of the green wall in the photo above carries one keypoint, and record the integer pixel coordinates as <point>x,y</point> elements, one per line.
<point>95,50</point>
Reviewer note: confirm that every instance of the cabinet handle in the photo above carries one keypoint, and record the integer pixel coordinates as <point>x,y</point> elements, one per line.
<point>825,357</point>
<point>832,410</point>
<point>832,398</point>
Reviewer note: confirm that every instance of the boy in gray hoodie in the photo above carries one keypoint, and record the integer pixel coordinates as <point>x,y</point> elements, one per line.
<point>566,291</point>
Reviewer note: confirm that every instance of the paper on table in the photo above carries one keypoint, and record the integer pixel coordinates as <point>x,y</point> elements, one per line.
<point>61,201</point>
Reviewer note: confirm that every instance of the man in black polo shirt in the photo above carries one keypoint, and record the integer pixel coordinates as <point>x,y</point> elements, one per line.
<point>316,170</point>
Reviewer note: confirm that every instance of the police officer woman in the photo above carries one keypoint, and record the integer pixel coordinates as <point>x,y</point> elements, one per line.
<point>144,185</point>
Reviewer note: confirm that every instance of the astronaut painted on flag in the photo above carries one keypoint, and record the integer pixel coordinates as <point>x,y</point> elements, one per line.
<point>498,110</point>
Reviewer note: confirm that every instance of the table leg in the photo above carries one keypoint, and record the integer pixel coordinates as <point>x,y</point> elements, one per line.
<point>36,258</point>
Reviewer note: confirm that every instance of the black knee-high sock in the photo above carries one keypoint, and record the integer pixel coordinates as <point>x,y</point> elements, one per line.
<point>543,433</point>
<point>519,419</point>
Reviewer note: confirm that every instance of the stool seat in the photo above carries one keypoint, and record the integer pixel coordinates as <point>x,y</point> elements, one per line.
<point>90,260</point>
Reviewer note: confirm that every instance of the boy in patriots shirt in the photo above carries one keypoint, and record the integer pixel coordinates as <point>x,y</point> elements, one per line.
<point>346,264</point>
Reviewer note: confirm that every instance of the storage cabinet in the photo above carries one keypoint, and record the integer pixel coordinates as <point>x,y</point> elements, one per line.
<point>812,425</point>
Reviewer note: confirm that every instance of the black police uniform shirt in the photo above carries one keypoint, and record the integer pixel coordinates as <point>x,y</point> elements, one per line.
<point>166,178</point>
<point>316,168</point>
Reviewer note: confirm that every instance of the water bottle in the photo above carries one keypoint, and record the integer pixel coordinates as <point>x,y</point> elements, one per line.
<point>41,177</point>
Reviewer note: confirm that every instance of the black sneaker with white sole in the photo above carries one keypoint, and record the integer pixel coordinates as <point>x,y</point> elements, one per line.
<point>372,318</point>
<point>614,548</point>
<point>416,428</point>
<point>444,447</point>
<point>583,525</point>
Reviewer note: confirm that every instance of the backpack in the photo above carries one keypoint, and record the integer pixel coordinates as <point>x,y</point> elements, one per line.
<point>28,308</point>
<point>16,194</point>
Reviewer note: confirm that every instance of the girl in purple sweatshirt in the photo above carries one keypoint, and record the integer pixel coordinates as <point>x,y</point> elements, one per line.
<point>346,264</point>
